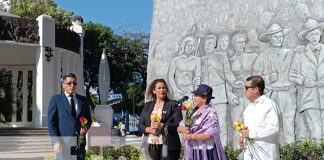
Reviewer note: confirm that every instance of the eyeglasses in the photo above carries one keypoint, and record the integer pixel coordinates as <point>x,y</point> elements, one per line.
<point>247,87</point>
<point>71,82</point>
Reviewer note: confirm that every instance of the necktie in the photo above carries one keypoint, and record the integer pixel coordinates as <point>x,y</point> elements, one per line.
<point>73,111</point>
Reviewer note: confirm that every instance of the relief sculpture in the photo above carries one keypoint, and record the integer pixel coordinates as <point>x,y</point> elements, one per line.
<point>185,69</point>
<point>221,43</point>
<point>273,65</point>
<point>307,71</point>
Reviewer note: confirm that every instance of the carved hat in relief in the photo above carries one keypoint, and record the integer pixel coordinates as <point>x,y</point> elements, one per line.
<point>274,28</point>
<point>310,25</point>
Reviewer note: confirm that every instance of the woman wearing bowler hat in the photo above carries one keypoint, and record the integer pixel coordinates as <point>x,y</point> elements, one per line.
<point>202,139</point>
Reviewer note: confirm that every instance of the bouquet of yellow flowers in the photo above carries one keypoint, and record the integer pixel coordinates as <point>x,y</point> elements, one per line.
<point>255,149</point>
<point>155,117</point>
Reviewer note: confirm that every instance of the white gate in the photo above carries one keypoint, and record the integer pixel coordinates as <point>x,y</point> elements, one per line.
<point>24,88</point>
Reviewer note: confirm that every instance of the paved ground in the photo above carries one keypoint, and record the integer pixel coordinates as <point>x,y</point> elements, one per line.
<point>23,156</point>
<point>130,140</point>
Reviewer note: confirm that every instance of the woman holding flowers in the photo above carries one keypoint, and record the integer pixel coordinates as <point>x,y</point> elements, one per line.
<point>155,113</point>
<point>201,132</point>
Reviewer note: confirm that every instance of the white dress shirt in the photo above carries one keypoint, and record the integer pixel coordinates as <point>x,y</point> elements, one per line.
<point>75,101</point>
<point>261,118</point>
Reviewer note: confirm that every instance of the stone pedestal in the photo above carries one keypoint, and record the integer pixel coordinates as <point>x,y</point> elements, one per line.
<point>101,135</point>
<point>104,114</point>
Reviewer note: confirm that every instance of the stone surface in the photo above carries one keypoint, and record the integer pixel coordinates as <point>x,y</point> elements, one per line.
<point>271,38</point>
<point>104,78</point>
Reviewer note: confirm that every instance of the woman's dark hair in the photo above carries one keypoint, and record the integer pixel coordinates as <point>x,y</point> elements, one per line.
<point>149,92</point>
<point>257,81</point>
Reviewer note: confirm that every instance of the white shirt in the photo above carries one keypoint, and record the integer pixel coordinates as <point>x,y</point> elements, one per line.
<point>261,118</point>
<point>75,101</point>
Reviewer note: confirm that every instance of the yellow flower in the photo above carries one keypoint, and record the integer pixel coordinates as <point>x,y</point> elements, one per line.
<point>236,123</point>
<point>188,105</point>
<point>242,126</point>
<point>238,126</point>
<point>155,118</point>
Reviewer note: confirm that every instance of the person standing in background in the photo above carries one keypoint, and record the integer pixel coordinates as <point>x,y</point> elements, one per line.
<point>64,126</point>
<point>154,115</point>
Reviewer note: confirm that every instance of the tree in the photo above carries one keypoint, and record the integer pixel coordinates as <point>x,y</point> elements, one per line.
<point>31,9</point>
<point>6,96</point>
<point>126,53</point>
<point>96,38</point>
<point>127,57</point>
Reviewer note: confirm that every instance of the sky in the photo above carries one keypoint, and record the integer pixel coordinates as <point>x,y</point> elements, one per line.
<point>120,15</point>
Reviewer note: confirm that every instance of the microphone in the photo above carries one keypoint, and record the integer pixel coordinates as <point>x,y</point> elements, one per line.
<point>184,98</point>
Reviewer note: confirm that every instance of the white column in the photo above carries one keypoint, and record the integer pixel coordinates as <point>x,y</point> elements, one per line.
<point>79,72</point>
<point>45,71</point>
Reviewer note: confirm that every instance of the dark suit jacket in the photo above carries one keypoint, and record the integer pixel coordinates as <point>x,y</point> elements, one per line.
<point>60,119</point>
<point>169,109</point>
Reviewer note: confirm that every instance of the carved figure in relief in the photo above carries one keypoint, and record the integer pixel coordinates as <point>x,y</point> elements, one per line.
<point>273,65</point>
<point>185,69</point>
<point>217,74</point>
<point>307,71</point>
<point>241,66</point>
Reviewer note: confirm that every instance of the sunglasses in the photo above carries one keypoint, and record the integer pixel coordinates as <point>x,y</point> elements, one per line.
<point>71,82</point>
<point>247,87</point>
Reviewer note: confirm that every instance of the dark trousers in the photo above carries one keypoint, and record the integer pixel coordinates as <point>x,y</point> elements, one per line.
<point>72,153</point>
<point>155,153</point>
<point>211,154</point>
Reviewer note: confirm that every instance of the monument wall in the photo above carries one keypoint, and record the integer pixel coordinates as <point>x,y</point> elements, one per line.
<point>222,42</point>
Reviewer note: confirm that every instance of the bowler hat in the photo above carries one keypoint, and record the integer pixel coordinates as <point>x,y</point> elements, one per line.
<point>274,28</point>
<point>310,25</point>
<point>204,90</point>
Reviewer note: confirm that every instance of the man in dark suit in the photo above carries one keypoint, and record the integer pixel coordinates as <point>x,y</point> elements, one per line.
<point>64,126</point>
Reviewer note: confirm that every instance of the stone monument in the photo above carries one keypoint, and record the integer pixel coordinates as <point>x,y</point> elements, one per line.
<point>104,112</point>
<point>281,40</point>
<point>102,135</point>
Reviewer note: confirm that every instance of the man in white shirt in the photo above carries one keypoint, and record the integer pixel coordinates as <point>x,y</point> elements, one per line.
<point>262,123</point>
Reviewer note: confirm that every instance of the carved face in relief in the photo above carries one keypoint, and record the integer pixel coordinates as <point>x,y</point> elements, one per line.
<point>223,42</point>
<point>189,47</point>
<point>210,45</point>
<point>276,39</point>
<point>314,36</point>
<point>239,44</point>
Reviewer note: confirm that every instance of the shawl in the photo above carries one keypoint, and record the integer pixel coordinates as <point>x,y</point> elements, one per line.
<point>206,122</point>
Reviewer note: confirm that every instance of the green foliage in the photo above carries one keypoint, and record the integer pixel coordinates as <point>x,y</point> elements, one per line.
<point>110,153</point>
<point>301,150</point>
<point>130,152</point>
<point>127,57</point>
<point>6,96</point>
<point>51,156</point>
<point>232,153</point>
<point>126,53</point>
<point>31,9</point>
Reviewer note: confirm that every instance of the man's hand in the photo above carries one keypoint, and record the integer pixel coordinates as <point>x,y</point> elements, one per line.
<point>183,129</point>
<point>240,141</point>
<point>57,147</point>
<point>245,133</point>
<point>84,130</point>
